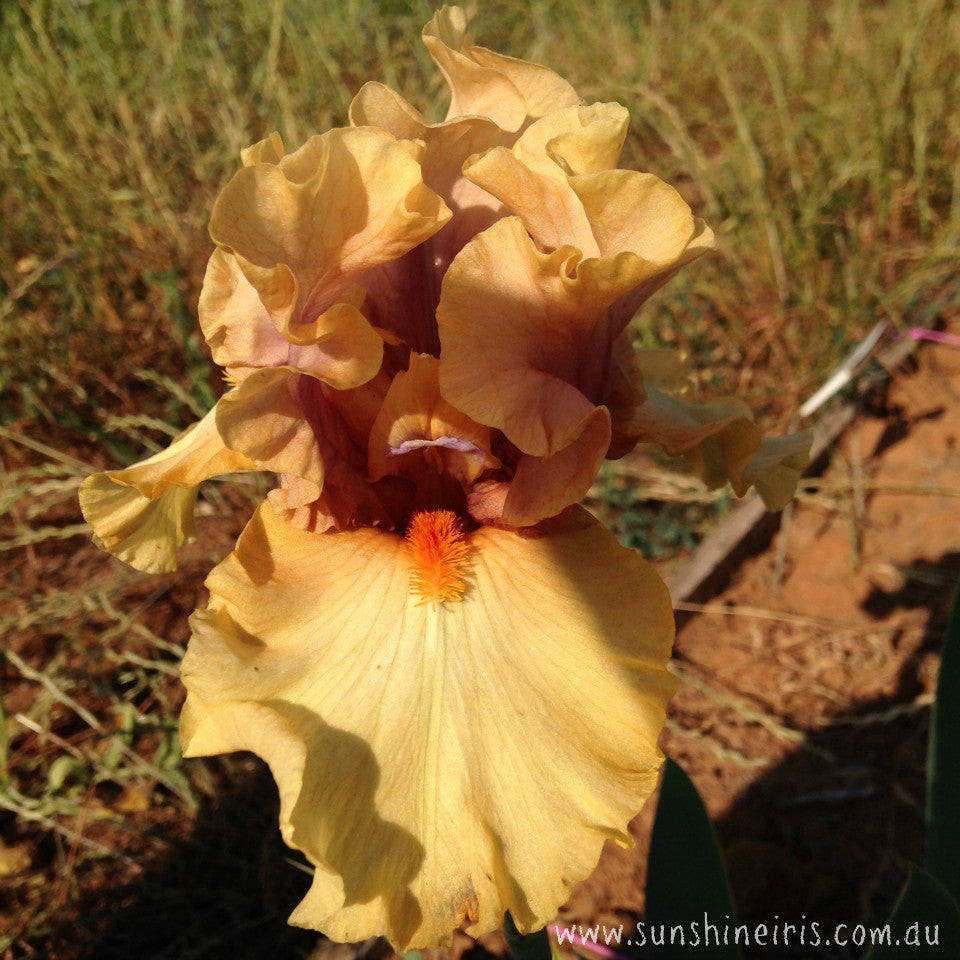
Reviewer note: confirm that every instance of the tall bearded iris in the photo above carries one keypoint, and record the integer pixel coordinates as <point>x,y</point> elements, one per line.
<point>424,326</point>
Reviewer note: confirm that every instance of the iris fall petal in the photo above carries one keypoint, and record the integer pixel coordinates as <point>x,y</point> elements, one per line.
<point>425,769</point>
<point>143,513</point>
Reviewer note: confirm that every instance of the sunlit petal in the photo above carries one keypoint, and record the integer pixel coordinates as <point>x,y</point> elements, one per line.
<point>236,324</point>
<point>445,771</point>
<point>532,178</point>
<point>303,229</point>
<point>483,83</point>
<point>143,513</point>
<point>269,150</point>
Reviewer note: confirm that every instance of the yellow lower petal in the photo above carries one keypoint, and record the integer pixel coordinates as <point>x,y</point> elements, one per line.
<point>437,763</point>
<point>143,513</point>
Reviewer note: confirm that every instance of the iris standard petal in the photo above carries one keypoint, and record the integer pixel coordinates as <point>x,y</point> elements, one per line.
<point>404,292</point>
<point>532,177</point>
<point>431,760</point>
<point>305,228</point>
<point>143,513</point>
<point>483,83</point>
<point>517,334</point>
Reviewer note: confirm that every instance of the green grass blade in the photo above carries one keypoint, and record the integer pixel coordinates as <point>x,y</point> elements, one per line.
<point>925,923</point>
<point>686,880</point>
<point>943,765</point>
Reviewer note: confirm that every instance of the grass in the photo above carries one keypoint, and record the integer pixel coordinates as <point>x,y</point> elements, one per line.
<point>819,139</point>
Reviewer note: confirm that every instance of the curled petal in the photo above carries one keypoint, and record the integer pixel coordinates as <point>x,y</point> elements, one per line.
<point>269,150</point>
<point>447,144</point>
<point>532,178</point>
<point>143,513</point>
<point>640,214</point>
<point>527,345</point>
<point>415,419</point>
<point>513,333</point>
<point>543,487</point>
<point>404,292</point>
<point>263,419</point>
<point>483,83</point>
<point>349,351</point>
<point>719,440</point>
<point>591,144</point>
<point>427,759</point>
<point>248,326</point>
<point>308,226</point>
<point>236,324</point>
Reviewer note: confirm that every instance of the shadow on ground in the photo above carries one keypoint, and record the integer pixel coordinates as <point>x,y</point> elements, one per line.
<point>829,834</point>
<point>223,893</point>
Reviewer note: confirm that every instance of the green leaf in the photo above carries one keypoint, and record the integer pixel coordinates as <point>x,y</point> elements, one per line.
<point>686,882</point>
<point>943,765</point>
<point>61,768</point>
<point>533,946</point>
<point>925,923</point>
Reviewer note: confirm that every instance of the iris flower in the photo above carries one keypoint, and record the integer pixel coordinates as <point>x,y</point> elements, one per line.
<point>455,674</point>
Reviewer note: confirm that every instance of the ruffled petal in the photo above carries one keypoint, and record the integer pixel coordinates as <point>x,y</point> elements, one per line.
<point>640,215</point>
<point>447,144</point>
<point>483,83</point>
<point>429,760</point>
<point>543,487</point>
<point>239,322</point>
<point>404,292</point>
<point>143,513</point>
<point>303,229</point>
<point>527,343</point>
<point>515,333</point>
<point>235,323</point>
<point>719,440</point>
<point>269,150</point>
<point>263,418</point>
<point>532,178</point>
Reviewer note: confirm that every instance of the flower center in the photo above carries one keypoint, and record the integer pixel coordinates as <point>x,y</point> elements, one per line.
<point>440,552</point>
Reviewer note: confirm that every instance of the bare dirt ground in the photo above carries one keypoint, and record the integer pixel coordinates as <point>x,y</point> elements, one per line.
<point>803,708</point>
<point>802,719</point>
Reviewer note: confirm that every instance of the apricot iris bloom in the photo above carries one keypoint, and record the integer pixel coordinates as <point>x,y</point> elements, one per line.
<point>456,675</point>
